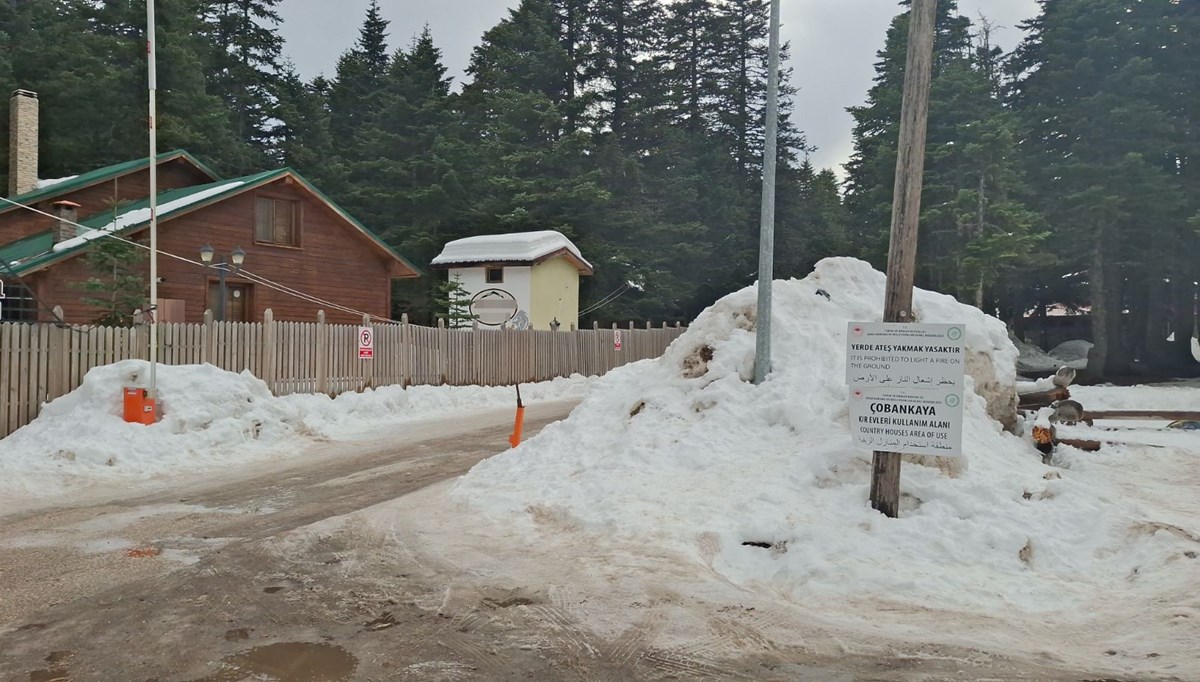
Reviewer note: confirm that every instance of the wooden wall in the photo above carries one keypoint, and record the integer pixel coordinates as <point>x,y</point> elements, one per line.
<point>334,262</point>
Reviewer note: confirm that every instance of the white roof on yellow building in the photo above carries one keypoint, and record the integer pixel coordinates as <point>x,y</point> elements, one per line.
<point>517,248</point>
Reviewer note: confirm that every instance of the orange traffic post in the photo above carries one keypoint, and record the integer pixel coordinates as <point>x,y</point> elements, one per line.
<point>515,439</point>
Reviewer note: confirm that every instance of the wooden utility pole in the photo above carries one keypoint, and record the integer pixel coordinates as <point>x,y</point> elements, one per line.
<point>906,210</point>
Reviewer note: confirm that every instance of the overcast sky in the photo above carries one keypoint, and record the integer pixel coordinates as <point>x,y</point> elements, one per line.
<point>833,46</point>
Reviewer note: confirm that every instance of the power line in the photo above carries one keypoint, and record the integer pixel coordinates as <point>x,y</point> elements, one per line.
<point>612,296</point>
<point>259,279</point>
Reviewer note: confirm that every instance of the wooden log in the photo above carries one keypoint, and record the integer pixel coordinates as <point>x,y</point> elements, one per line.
<point>1087,445</point>
<point>1168,415</point>
<point>1042,398</point>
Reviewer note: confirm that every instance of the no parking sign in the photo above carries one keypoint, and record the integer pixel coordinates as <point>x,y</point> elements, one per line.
<point>366,343</point>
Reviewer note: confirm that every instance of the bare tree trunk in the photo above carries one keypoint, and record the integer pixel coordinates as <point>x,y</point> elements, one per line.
<point>1184,324</point>
<point>1098,356</point>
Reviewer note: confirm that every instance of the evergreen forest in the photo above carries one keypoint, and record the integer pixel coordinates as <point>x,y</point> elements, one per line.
<point>1062,175</point>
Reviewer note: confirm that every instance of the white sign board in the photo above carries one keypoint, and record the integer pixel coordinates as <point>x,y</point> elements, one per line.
<point>493,307</point>
<point>366,343</point>
<point>914,421</point>
<point>906,387</point>
<point>616,339</point>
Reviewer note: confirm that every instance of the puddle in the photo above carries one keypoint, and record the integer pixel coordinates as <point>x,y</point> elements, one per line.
<point>288,662</point>
<point>51,675</point>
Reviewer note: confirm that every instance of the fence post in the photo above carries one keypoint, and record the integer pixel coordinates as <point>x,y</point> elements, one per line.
<point>406,351</point>
<point>208,345</point>
<point>442,351</point>
<point>59,362</point>
<point>322,354</point>
<point>270,353</point>
<point>366,369</point>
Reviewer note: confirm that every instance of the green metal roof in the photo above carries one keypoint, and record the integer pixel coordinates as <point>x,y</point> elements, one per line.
<point>23,248</point>
<point>100,175</point>
<point>41,250</point>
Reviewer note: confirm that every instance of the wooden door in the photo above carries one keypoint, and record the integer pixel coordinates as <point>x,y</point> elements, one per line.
<point>237,301</point>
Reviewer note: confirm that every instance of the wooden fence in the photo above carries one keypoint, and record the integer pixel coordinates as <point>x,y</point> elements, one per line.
<point>40,362</point>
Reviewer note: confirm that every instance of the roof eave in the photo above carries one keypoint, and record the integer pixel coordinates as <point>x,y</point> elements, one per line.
<point>582,266</point>
<point>48,193</point>
<point>414,272</point>
<point>50,259</point>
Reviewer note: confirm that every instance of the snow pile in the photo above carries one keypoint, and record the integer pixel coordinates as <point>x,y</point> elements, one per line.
<point>1036,362</point>
<point>213,418</point>
<point>517,246</point>
<point>684,452</point>
<point>1072,352</point>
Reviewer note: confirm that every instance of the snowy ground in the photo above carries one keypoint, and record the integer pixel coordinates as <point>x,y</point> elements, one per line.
<point>633,514</point>
<point>1089,562</point>
<point>213,421</point>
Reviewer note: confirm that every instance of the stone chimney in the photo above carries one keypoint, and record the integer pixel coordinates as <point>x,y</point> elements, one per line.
<point>68,215</point>
<point>22,142</point>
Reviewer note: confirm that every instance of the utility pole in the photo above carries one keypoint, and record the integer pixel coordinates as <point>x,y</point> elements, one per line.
<point>906,211</point>
<point>152,86</point>
<point>766,229</point>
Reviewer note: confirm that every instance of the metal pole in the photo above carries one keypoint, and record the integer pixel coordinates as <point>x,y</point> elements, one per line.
<point>152,82</point>
<point>766,243</point>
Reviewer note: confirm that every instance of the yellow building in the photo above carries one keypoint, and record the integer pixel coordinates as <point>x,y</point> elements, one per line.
<point>526,280</point>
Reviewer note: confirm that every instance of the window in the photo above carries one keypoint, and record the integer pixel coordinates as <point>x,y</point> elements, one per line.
<point>18,304</point>
<point>495,275</point>
<point>276,221</point>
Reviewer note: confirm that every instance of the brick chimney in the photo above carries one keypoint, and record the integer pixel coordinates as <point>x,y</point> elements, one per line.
<point>68,214</point>
<point>22,142</point>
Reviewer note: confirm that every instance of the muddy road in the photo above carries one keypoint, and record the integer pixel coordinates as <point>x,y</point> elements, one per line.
<point>223,580</point>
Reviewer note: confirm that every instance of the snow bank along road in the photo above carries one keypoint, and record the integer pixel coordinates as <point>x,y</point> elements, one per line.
<point>268,573</point>
<point>81,597</point>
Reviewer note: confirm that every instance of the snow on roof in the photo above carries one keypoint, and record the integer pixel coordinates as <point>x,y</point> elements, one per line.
<point>141,215</point>
<point>43,184</point>
<point>516,247</point>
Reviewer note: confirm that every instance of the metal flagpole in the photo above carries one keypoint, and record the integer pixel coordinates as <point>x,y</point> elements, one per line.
<point>766,244</point>
<point>152,81</point>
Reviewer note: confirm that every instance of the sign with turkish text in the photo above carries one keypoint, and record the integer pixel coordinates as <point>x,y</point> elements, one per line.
<point>366,343</point>
<point>913,421</point>
<point>906,387</point>
<point>904,355</point>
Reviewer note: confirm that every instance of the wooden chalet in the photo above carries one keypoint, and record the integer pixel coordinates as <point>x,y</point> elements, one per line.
<point>291,234</point>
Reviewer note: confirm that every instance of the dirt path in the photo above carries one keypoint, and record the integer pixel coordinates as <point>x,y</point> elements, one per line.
<point>228,580</point>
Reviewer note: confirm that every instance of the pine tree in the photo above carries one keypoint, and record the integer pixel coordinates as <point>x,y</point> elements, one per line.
<point>810,219</point>
<point>117,287</point>
<point>453,303</point>
<point>692,50</point>
<point>355,97</point>
<point>246,71</point>
<point>622,68</point>
<point>1101,111</point>
<point>76,51</point>
<point>303,139</point>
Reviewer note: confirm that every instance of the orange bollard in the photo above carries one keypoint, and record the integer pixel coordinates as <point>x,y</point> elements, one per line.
<point>515,439</point>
